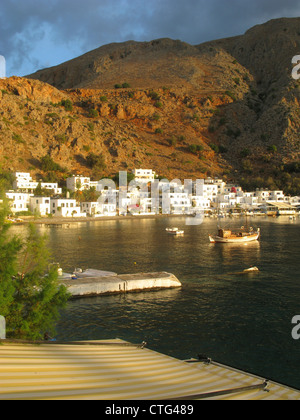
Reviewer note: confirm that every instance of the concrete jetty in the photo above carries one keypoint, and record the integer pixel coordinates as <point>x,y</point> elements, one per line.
<point>96,286</point>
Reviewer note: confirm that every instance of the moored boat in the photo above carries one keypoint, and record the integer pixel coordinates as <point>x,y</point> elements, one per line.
<point>175,231</point>
<point>227,236</point>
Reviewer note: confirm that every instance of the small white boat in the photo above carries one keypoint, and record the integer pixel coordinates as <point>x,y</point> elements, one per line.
<point>79,273</point>
<point>175,231</point>
<point>227,236</point>
<point>251,270</point>
<point>89,272</point>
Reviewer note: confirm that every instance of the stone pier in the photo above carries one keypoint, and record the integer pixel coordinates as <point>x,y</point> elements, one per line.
<point>96,286</point>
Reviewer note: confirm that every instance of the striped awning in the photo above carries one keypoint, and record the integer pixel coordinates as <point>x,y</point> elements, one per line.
<point>117,370</point>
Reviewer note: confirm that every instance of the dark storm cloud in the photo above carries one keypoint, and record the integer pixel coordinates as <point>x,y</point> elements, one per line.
<point>39,33</point>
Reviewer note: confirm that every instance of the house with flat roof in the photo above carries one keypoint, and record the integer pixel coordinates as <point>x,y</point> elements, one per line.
<point>40,205</point>
<point>65,207</point>
<point>144,175</point>
<point>23,182</point>
<point>18,201</point>
<point>78,183</point>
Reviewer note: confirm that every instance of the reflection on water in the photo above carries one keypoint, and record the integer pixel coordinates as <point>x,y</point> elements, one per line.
<point>240,320</point>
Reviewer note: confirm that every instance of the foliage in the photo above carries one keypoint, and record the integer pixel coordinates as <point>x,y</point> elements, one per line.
<point>272,148</point>
<point>218,148</point>
<point>48,164</point>
<point>231,95</point>
<point>159,131</point>
<point>292,167</point>
<point>195,148</point>
<point>172,141</point>
<point>245,153</point>
<point>17,138</point>
<point>130,177</point>
<point>42,192</point>
<point>93,113</point>
<point>9,248</point>
<point>158,104</point>
<point>123,85</point>
<point>6,180</point>
<point>29,299</point>
<point>87,195</point>
<point>96,161</point>
<point>67,104</point>
<point>61,138</point>
<point>154,95</point>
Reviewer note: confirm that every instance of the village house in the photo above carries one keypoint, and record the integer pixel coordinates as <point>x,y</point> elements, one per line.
<point>19,202</point>
<point>65,207</point>
<point>78,183</point>
<point>144,175</point>
<point>98,209</point>
<point>139,197</point>
<point>40,205</point>
<point>23,182</point>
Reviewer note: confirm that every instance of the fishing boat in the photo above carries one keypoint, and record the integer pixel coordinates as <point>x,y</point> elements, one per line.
<point>242,236</point>
<point>175,231</point>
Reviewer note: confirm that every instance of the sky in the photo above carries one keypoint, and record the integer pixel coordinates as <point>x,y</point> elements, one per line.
<point>36,34</point>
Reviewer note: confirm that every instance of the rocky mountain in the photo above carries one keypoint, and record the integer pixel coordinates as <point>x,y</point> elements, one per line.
<point>226,108</point>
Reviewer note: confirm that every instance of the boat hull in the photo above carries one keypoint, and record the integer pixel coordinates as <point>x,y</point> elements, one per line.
<point>235,239</point>
<point>174,231</point>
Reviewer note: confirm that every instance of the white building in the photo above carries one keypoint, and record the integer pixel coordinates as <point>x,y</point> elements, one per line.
<point>23,182</point>
<point>233,188</point>
<point>262,195</point>
<point>180,203</point>
<point>294,201</point>
<point>144,175</point>
<point>40,205</point>
<point>200,203</point>
<point>207,191</point>
<point>98,209</point>
<point>78,183</point>
<point>91,208</point>
<point>218,182</point>
<point>65,207</point>
<point>108,209</point>
<point>18,201</point>
<point>276,196</point>
<point>249,200</point>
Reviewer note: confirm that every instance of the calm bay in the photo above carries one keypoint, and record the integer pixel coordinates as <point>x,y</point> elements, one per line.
<point>244,321</point>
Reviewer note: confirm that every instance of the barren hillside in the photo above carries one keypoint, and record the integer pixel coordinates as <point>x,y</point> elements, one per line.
<point>228,108</point>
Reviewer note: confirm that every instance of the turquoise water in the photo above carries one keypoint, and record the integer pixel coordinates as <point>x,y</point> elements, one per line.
<point>240,320</point>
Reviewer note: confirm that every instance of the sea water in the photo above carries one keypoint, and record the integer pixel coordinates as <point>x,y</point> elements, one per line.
<point>242,320</point>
